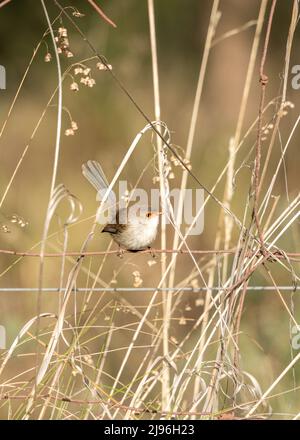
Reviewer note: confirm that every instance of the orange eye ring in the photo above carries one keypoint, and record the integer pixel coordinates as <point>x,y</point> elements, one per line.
<point>148,214</point>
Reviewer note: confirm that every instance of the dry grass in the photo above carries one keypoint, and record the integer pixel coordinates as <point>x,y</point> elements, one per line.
<point>99,355</point>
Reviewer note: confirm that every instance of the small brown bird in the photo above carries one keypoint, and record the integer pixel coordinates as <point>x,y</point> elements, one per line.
<point>139,229</point>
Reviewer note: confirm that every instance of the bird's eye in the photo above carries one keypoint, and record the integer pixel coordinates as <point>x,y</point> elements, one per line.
<point>148,214</point>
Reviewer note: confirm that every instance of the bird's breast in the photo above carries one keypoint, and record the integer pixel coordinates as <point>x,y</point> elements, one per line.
<point>136,237</point>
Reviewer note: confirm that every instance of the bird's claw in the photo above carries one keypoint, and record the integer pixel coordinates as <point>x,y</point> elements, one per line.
<point>120,253</point>
<point>151,252</point>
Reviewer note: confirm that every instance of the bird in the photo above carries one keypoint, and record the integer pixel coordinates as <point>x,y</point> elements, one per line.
<point>134,228</point>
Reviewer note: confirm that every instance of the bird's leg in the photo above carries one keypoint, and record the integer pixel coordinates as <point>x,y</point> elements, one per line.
<point>121,252</point>
<point>151,252</point>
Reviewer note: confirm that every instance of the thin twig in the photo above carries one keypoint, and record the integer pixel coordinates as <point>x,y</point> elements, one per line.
<point>101,13</point>
<point>4,2</point>
<point>263,80</point>
<point>166,303</point>
<point>146,251</point>
<point>280,113</point>
<point>51,195</point>
<point>112,405</point>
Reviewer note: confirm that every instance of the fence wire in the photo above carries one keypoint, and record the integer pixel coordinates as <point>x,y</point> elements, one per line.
<point>143,289</point>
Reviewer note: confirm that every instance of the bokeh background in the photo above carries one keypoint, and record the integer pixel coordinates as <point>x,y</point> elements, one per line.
<point>108,122</point>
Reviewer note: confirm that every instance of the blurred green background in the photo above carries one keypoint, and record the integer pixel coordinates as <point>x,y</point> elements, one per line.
<point>107,124</point>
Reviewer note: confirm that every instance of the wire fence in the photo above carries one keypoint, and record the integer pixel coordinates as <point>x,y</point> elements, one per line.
<point>144,289</point>
<point>293,256</point>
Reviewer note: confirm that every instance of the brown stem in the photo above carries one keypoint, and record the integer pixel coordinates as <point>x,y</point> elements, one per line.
<point>263,80</point>
<point>4,2</point>
<point>101,13</point>
<point>277,254</point>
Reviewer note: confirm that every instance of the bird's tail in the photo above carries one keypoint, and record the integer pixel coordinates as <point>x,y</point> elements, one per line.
<point>93,172</point>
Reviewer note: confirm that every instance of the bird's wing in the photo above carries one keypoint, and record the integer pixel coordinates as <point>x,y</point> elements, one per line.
<point>112,229</point>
